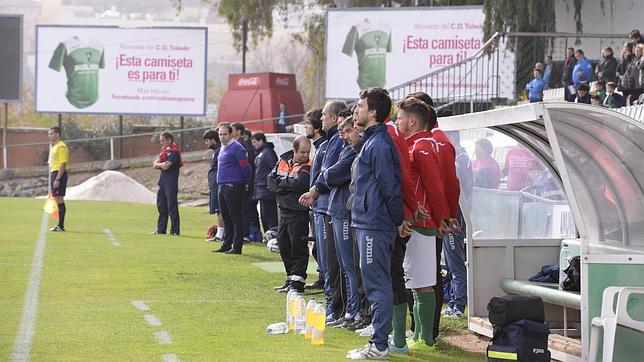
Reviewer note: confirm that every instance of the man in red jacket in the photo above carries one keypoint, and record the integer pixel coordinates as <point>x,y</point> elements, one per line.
<point>446,162</point>
<point>412,211</point>
<point>420,257</point>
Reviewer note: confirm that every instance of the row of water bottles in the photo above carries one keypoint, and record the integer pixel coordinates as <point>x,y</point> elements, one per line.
<point>304,318</point>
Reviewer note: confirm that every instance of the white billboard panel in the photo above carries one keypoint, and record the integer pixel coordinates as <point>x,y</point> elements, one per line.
<point>388,47</point>
<point>113,70</point>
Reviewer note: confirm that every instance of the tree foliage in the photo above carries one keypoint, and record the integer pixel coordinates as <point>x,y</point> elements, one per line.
<point>521,16</point>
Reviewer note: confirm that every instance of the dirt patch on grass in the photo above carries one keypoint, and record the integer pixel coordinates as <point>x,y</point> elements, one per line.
<point>467,340</point>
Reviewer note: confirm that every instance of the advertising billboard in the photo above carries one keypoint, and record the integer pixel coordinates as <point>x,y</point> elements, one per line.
<point>11,58</point>
<point>114,70</point>
<point>388,47</point>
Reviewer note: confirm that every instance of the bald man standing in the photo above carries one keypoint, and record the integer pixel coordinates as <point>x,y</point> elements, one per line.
<point>289,180</point>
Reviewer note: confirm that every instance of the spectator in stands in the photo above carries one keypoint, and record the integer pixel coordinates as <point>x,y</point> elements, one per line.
<point>582,94</point>
<point>613,99</point>
<point>264,162</point>
<point>599,90</point>
<point>566,77</point>
<point>607,67</point>
<point>640,49</point>
<point>633,75</point>
<point>583,70</point>
<point>281,118</point>
<point>535,87</point>
<point>636,37</point>
<point>632,82</point>
<point>627,57</point>
<point>485,169</point>
<point>547,71</point>
<point>595,100</point>
<point>538,65</point>
<point>640,100</point>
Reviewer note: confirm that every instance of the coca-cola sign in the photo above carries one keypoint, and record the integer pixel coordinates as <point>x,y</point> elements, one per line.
<point>248,82</point>
<point>283,82</point>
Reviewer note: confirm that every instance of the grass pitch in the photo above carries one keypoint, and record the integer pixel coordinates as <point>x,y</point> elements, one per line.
<point>213,306</point>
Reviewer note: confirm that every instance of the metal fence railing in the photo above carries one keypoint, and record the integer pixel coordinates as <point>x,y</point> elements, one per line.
<point>113,147</point>
<point>466,86</point>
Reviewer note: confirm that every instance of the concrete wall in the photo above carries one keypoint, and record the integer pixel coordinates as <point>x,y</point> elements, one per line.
<point>36,155</point>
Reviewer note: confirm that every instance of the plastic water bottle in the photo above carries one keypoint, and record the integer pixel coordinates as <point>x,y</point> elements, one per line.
<point>310,315</point>
<point>277,328</point>
<point>300,314</point>
<point>291,311</point>
<point>319,322</point>
<point>288,306</point>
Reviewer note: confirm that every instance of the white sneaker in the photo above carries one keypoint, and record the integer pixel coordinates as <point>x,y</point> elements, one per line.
<point>369,351</point>
<point>367,332</point>
<point>447,311</point>
<point>455,313</point>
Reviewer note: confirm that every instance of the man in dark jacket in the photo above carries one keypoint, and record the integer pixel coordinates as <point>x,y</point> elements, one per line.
<point>337,179</point>
<point>265,160</point>
<point>289,180</point>
<point>233,177</point>
<point>566,77</point>
<point>317,135</point>
<point>169,161</point>
<point>211,140</point>
<point>377,214</point>
<point>249,213</point>
<point>327,256</point>
<point>281,119</point>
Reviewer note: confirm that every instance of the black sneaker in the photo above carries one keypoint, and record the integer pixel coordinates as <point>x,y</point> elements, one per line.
<point>57,228</point>
<point>318,284</point>
<point>358,325</point>
<point>346,322</point>
<point>287,283</point>
<point>234,251</point>
<point>285,288</point>
<point>221,250</point>
<point>297,286</point>
<point>337,322</point>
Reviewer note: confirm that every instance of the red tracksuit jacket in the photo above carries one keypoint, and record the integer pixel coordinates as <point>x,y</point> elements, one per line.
<point>406,186</point>
<point>428,189</point>
<point>447,164</point>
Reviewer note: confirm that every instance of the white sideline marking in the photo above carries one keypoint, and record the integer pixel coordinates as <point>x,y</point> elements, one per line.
<point>163,337</point>
<point>111,237</point>
<point>22,345</point>
<point>170,358</point>
<point>138,304</point>
<point>152,320</point>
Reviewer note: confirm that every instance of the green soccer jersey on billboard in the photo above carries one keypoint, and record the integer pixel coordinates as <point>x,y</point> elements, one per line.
<point>81,63</point>
<point>371,45</point>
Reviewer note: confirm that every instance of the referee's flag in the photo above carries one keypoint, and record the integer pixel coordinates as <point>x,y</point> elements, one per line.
<point>51,207</point>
